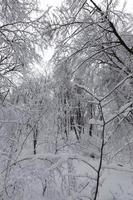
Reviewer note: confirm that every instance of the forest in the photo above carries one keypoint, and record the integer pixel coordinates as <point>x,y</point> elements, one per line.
<point>66,122</point>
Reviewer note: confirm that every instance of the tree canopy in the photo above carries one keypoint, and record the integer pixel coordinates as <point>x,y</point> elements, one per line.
<point>65,133</point>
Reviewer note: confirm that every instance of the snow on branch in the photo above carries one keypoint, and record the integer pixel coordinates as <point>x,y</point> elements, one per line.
<point>88,91</point>
<point>96,122</point>
<point>10,122</point>
<point>121,149</point>
<point>117,86</point>
<point>121,110</point>
<point>56,159</point>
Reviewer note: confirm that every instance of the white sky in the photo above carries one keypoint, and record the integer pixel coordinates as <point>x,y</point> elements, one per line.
<point>45,3</point>
<point>129,5</point>
<point>55,3</point>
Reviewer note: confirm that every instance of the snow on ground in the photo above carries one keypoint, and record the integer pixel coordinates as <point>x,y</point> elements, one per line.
<point>117,185</point>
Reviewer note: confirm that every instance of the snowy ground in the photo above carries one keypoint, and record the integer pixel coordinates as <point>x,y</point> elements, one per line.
<point>117,185</point>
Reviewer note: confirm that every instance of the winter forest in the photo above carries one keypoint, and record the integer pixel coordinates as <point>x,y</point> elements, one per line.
<point>66,122</point>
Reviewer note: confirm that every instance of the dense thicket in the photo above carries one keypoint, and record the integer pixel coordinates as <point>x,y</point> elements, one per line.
<point>69,126</point>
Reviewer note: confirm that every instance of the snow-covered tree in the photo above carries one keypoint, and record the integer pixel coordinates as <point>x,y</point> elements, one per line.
<point>94,44</point>
<point>62,134</point>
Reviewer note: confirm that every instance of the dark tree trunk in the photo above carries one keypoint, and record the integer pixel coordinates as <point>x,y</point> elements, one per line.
<point>35,135</point>
<point>91,116</point>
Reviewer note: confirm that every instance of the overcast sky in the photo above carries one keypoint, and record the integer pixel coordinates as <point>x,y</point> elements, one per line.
<point>44,3</point>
